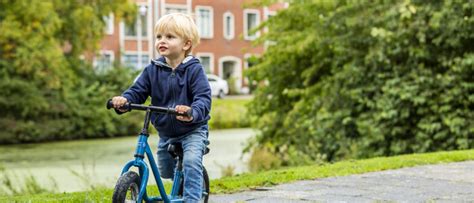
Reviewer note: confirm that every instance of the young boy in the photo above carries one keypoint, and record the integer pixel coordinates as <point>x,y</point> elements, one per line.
<point>176,80</point>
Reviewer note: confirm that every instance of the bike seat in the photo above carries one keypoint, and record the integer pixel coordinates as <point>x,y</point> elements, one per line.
<point>176,149</point>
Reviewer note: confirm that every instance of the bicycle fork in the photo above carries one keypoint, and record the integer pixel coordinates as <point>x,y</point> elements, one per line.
<point>144,171</point>
<point>142,148</point>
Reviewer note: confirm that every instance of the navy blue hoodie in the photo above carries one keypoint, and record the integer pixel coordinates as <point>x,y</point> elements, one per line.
<point>185,85</point>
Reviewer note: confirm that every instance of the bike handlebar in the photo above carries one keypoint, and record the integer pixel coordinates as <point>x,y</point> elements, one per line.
<point>163,110</point>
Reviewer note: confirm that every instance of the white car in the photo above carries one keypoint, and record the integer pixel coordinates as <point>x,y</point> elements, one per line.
<point>219,87</point>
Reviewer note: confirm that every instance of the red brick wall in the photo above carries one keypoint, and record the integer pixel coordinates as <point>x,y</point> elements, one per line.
<point>218,45</point>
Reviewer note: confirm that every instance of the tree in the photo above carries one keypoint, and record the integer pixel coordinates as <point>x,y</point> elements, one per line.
<point>48,91</point>
<point>354,79</point>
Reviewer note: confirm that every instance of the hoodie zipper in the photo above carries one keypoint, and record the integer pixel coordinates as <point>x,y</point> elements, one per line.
<point>173,93</point>
<point>173,78</point>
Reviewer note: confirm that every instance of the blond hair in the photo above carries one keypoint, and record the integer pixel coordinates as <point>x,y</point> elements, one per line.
<point>181,24</point>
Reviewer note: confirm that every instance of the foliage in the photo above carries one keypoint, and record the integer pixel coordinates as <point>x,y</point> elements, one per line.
<point>226,170</point>
<point>262,159</point>
<point>30,186</point>
<point>352,79</point>
<point>272,177</point>
<point>48,91</point>
<point>229,113</point>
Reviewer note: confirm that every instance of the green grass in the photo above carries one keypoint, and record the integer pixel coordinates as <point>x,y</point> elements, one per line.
<point>273,177</point>
<point>229,113</point>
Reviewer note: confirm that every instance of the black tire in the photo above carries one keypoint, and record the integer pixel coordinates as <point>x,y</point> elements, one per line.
<point>206,190</point>
<point>127,187</point>
<point>205,186</point>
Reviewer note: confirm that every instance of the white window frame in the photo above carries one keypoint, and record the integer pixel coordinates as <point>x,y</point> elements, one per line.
<point>246,32</point>
<point>175,6</point>
<point>109,24</point>
<point>211,59</point>
<point>104,52</point>
<point>231,26</point>
<point>267,13</point>
<point>144,26</point>
<point>144,54</point>
<point>211,21</point>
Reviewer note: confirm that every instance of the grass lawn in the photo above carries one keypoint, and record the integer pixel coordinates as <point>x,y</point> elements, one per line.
<point>273,177</point>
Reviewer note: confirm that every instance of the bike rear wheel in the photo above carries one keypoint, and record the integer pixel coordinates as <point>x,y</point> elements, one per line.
<point>205,186</point>
<point>127,188</point>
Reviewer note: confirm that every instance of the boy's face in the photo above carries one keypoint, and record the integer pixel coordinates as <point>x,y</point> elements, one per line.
<point>171,45</point>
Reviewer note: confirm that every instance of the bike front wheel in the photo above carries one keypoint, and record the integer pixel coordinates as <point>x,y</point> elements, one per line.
<point>205,186</point>
<point>127,188</point>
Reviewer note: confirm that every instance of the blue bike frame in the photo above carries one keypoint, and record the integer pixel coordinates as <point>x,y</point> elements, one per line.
<point>142,148</point>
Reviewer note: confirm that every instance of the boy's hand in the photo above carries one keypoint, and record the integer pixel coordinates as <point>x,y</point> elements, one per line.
<point>118,102</point>
<point>183,109</point>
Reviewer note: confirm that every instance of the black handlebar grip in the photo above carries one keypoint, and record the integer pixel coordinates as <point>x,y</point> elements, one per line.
<point>126,106</point>
<point>189,113</point>
<point>109,104</point>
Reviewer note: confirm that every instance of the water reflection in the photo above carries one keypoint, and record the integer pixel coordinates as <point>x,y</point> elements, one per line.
<point>80,165</point>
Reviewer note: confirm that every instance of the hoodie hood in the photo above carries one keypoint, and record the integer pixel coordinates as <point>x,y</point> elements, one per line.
<point>188,61</point>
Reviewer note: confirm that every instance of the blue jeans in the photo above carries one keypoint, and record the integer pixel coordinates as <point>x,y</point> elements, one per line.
<point>194,143</point>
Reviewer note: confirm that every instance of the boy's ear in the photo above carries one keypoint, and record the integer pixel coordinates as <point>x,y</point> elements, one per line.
<point>187,45</point>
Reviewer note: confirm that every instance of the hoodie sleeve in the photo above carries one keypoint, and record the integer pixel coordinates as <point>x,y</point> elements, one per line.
<point>201,90</point>
<point>140,90</point>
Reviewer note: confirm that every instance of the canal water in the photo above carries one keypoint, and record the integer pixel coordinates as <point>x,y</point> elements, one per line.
<point>81,165</point>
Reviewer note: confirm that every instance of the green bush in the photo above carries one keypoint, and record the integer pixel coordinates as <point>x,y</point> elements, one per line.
<point>48,91</point>
<point>76,114</point>
<point>352,79</point>
<point>262,159</point>
<point>229,113</point>
<point>232,85</point>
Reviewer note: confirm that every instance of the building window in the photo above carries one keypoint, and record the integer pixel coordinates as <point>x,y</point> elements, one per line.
<point>104,61</point>
<point>267,14</point>
<point>251,21</point>
<point>174,8</point>
<point>204,21</point>
<point>131,60</point>
<point>132,29</point>
<point>207,61</point>
<point>109,24</point>
<point>228,25</point>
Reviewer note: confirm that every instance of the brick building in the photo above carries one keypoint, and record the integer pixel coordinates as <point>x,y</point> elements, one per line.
<point>223,26</point>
